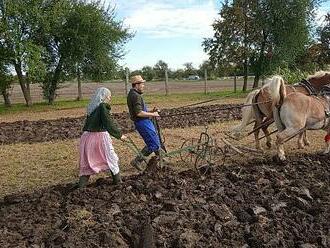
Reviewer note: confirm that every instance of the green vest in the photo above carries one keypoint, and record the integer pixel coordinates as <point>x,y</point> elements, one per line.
<point>135,104</point>
<point>101,120</point>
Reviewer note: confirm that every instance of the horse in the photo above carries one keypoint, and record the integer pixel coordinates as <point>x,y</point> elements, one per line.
<point>259,105</point>
<point>296,112</point>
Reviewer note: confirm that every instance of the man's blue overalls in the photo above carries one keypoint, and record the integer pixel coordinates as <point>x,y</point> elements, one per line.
<point>147,130</point>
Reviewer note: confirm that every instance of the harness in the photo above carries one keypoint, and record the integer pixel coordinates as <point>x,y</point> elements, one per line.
<point>257,110</point>
<point>308,87</point>
<point>325,92</point>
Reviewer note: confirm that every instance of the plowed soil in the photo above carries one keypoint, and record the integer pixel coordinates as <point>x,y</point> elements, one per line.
<point>69,128</point>
<point>257,204</point>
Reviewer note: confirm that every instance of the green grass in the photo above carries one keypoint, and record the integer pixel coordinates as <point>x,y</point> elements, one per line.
<point>118,100</point>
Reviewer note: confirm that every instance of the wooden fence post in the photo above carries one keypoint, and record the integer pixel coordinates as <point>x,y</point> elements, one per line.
<point>166,83</point>
<point>126,82</point>
<point>235,82</point>
<point>205,81</point>
<point>79,85</point>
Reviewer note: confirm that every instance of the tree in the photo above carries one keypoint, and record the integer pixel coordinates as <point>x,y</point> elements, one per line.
<point>206,65</point>
<point>189,69</point>
<point>179,74</point>
<point>260,34</point>
<point>5,84</point>
<point>19,20</point>
<point>160,68</point>
<point>148,73</point>
<point>233,36</point>
<point>81,39</point>
<point>324,39</point>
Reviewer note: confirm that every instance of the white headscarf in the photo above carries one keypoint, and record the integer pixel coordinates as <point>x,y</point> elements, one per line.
<point>99,96</point>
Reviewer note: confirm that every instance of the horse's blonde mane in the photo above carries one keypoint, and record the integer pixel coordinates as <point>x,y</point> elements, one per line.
<point>318,74</point>
<point>269,81</point>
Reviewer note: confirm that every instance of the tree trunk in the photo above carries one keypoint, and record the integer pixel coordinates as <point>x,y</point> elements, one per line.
<point>24,83</point>
<point>54,83</point>
<point>256,79</point>
<point>260,63</point>
<point>79,85</point>
<point>166,83</point>
<point>5,95</point>
<point>245,47</point>
<point>245,76</point>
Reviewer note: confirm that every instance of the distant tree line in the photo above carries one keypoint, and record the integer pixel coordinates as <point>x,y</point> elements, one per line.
<point>157,72</point>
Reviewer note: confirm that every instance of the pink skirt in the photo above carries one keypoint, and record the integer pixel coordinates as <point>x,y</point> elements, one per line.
<point>97,154</point>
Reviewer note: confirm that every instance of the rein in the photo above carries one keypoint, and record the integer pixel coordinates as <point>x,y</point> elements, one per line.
<point>213,110</point>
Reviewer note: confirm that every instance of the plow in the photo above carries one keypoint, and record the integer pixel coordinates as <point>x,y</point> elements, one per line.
<point>204,152</point>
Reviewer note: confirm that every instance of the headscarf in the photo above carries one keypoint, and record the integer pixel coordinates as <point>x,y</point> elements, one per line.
<point>99,96</point>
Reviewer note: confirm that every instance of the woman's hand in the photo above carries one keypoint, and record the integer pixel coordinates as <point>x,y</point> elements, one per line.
<point>123,138</point>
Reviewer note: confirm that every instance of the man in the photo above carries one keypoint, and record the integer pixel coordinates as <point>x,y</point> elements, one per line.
<point>141,117</point>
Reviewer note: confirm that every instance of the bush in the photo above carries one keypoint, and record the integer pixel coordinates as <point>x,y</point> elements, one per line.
<point>292,76</point>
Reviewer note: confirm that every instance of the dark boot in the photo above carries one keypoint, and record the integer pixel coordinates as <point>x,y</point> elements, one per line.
<point>83,180</point>
<point>116,178</point>
<point>137,161</point>
<point>164,160</point>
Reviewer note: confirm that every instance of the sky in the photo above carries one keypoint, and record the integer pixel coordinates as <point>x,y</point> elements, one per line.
<point>170,30</point>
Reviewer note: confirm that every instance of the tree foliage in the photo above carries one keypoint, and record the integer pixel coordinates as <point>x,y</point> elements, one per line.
<point>19,21</point>
<point>160,68</point>
<point>5,84</point>
<point>260,34</point>
<point>324,39</point>
<point>148,73</point>
<point>49,41</point>
<point>80,38</point>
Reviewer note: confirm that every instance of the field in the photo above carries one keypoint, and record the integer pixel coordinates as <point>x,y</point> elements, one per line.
<point>69,90</point>
<point>249,201</point>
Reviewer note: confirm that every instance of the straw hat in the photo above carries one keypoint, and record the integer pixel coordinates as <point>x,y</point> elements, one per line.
<point>137,79</point>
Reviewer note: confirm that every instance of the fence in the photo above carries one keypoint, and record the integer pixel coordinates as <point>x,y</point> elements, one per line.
<point>69,90</point>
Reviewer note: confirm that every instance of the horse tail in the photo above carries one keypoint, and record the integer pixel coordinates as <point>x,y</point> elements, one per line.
<point>278,98</point>
<point>247,114</point>
<point>276,89</point>
<point>277,118</point>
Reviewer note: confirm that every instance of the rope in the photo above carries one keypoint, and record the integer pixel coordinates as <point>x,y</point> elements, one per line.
<point>213,110</point>
<point>211,100</point>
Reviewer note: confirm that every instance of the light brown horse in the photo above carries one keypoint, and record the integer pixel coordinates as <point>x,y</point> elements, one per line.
<point>297,112</point>
<point>260,105</point>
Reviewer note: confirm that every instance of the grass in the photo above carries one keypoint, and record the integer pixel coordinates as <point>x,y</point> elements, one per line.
<point>117,100</point>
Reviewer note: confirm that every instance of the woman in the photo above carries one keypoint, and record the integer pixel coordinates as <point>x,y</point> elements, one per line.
<point>96,151</point>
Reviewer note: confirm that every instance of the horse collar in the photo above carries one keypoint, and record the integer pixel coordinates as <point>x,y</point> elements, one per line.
<point>308,86</point>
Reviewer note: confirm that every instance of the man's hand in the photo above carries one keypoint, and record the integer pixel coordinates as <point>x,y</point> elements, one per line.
<point>155,109</point>
<point>156,114</point>
<point>123,138</point>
